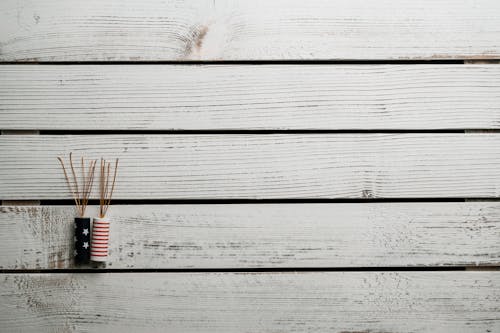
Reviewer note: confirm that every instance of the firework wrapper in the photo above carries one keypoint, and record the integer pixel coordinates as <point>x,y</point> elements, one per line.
<point>100,240</point>
<point>82,240</point>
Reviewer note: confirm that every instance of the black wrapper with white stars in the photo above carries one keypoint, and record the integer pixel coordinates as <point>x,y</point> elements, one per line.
<point>82,240</point>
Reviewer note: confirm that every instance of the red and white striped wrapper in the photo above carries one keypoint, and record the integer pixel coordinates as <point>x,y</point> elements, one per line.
<point>100,239</point>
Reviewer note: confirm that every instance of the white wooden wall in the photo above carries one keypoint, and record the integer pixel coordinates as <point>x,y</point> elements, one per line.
<point>309,166</point>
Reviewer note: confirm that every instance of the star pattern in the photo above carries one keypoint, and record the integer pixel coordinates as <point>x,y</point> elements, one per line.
<point>82,241</point>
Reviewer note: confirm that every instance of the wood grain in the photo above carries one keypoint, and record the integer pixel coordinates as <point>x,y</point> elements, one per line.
<point>262,235</point>
<point>242,302</point>
<point>236,166</point>
<point>76,30</point>
<point>242,97</point>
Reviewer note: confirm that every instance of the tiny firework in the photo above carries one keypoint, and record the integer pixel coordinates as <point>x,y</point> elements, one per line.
<point>81,194</point>
<point>100,230</point>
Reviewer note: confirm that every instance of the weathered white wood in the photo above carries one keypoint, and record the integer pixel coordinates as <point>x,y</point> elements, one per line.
<point>238,30</point>
<point>166,97</point>
<point>262,166</point>
<point>242,302</point>
<point>263,235</point>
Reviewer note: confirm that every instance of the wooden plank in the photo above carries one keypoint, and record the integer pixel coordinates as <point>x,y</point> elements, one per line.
<point>19,202</point>
<point>263,235</point>
<point>242,97</point>
<point>244,302</point>
<point>420,165</point>
<point>76,30</point>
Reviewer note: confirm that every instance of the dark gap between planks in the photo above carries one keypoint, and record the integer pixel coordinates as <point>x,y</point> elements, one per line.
<point>264,201</point>
<point>69,202</point>
<point>250,131</point>
<point>250,62</point>
<point>244,132</point>
<point>118,202</point>
<point>245,270</point>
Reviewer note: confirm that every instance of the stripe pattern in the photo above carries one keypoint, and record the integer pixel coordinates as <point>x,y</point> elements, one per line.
<point>100,239</point>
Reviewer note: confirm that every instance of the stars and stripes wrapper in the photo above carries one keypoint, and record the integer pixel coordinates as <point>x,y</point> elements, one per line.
<point>100,240</point>
<point>82,240</point>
